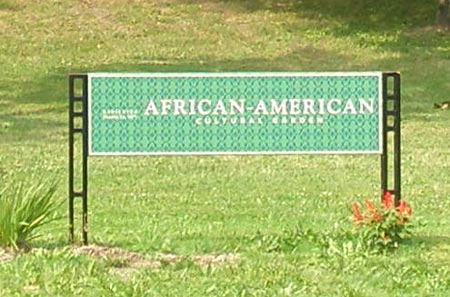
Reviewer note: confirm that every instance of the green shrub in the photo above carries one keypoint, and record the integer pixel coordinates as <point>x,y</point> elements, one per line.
<point>24,209</point>
<point>382,226</point>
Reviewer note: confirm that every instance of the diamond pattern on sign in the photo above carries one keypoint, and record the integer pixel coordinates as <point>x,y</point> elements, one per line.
<point>193,114</point>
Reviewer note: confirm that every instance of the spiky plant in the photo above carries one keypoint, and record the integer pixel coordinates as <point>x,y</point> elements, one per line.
<point>23,210</point>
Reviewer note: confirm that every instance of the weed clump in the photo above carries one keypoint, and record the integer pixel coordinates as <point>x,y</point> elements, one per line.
<point>23,210</point>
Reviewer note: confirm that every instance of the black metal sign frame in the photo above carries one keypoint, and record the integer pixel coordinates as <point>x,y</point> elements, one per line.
<point>78,109</point>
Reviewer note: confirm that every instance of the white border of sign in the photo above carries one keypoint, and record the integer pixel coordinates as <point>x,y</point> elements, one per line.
<point>378,74</point>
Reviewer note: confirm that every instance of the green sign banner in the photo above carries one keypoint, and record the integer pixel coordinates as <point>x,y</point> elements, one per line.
<point>235,113</point>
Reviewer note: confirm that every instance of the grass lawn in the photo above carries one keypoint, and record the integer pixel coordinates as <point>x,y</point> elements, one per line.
<point>225,225</point>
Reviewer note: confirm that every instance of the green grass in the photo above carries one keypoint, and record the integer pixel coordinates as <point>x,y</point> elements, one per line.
<point>250,206</point>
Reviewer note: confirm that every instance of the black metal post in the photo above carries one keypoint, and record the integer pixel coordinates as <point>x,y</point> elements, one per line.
<point>85,163</point>
<point>384,155</point>
<point>391,94</point>
<point>397,138</point>
<point>73,114</point>
<point>72,100</point>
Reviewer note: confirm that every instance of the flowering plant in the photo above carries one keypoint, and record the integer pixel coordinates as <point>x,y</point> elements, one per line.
<point>384,225</point>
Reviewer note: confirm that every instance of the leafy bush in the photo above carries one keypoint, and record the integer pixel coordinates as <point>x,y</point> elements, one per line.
<point>382,226</point>
<point>23,210</point>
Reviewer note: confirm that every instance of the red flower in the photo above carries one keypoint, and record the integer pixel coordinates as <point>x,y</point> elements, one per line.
<point>388,201</point>
<point>357,216</point>
<point>373,211</point>
<point>404,210</point>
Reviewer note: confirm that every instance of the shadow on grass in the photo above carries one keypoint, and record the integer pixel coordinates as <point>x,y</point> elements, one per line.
<point>368,14</point>
<point>375,22</point>
<point>399,25</point>
<point>50,244</point>
<point>432,240</point>
<point>37,104</point>
<point>51,89</point>
<point>9,5</point>
<point>340,18</point>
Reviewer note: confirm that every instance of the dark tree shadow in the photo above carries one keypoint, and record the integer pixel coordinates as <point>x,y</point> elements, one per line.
<point>376,14</point>
<point>433,240</point>
<point>49,93</point>
<point>408,26</point>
